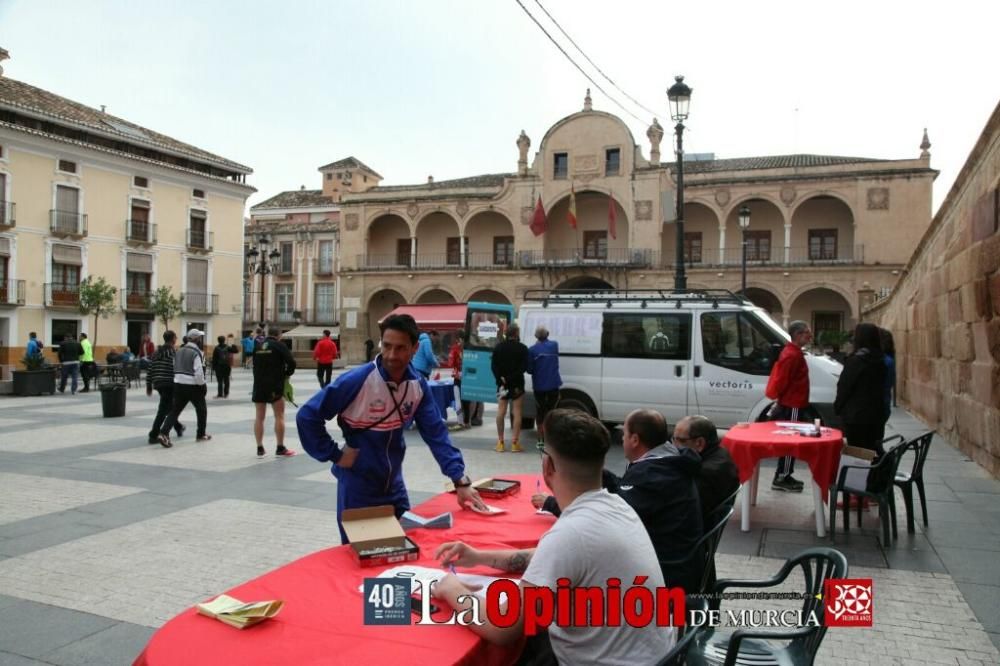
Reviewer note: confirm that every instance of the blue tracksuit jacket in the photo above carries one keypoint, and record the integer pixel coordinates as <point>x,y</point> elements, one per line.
<point>424,360</point>
<point>544,365</point>
<point>360,399</point>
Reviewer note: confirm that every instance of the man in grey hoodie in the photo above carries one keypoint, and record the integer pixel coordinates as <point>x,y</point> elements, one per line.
<point>189,386</point>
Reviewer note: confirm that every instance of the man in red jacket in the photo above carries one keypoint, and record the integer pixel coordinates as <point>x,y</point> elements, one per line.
<point>324,354</point>
<point>788,386</point>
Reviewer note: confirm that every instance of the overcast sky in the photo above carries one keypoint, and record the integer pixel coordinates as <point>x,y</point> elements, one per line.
<point>443,87</point>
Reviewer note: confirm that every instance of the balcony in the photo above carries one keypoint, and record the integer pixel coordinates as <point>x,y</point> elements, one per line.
<point>776,256</point>
<point>140,232</point>
<point>322,268</point>
<point>136,300</point>
<point>200,241</point>
<point>59,295</point>
<point>200,303</point>
<point>289,316</point>
<point>67,223</point>
<point>615,257</point>
<point>6,214</point>
<point>479,261</point>
<point>11,293</point>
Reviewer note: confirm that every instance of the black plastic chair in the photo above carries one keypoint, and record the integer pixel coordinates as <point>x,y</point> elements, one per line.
<point>687,633</point>
<point>698,566</point>
<point>878,486</point>
<point>713,646</point>
<point>915,477</point>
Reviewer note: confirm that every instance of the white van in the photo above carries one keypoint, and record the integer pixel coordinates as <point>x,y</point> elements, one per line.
<point>696,352</point>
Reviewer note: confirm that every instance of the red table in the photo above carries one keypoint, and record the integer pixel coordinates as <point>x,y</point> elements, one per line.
<point>322,619</point>
<point>751,444</point>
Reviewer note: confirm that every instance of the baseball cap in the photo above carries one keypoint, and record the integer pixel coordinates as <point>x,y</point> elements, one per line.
<point>195,333</point>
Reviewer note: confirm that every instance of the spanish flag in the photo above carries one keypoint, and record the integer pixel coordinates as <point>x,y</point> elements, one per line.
<point>571,216</point>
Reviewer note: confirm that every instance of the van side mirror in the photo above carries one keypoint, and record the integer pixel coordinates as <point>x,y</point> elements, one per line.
<point>775,352</point>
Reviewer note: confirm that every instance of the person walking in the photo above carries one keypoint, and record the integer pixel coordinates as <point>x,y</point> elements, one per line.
<point>87,366</point>
<point>325,353</point>
<point>369,350</point>
<point>160,376</point>
<point>34,345</point>
<point>455,361</point>
<point>424,361</point>
<point>273,363</point>
<point>248,345</point>
<point>189,386</point>
<point>860,398</point>
<point>70,352</point>
<point>221,366</point>
<point>889,354</point>
<point>510,362</point>
<point>788,386</point>
<point>146,351</point>
<point>545,378</point>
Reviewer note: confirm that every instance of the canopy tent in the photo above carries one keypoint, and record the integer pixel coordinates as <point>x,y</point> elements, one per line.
<point>444,316</point>
<point>311,332</point>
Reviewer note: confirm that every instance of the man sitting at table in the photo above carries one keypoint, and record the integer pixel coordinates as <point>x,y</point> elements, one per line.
<point>719,477</point>
<point>659,483</point>
<point>598,537</point>
<point>373,403</point>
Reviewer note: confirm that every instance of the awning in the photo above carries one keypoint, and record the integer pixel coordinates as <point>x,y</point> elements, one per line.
<point>311,332</point>
<point>447,315</point>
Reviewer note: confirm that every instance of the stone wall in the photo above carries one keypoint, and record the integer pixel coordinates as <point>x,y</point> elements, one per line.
<point>945,311</point>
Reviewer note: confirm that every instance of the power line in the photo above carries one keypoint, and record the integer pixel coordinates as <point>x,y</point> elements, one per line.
<point>575,64</point>
<point>592,63</point>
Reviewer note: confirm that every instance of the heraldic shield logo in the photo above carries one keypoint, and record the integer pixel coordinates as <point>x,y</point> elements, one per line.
<point>848,602</point>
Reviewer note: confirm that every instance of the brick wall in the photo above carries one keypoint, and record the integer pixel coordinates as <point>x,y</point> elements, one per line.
<point>945,312</point>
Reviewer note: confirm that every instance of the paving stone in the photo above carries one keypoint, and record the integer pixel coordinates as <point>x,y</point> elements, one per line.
<point>23,496</point>
<point>31,629</point>
<point>119,644</point>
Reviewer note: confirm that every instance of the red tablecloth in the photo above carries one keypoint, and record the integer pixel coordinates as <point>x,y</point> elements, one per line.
<point>749,445</point>
<point>322,619</point>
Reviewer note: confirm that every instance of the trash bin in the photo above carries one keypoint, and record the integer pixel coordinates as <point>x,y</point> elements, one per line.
<point>113,399</point>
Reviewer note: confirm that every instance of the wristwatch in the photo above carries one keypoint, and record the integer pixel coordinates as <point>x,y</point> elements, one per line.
<point>464,482</point>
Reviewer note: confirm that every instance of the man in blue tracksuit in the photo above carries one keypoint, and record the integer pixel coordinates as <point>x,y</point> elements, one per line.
<point>545,378</point>
<point>373,404</point>
<point>424,360</point>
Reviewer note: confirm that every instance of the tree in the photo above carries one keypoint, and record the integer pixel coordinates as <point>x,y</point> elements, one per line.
<point>165,306</point>
<point>97,297</point>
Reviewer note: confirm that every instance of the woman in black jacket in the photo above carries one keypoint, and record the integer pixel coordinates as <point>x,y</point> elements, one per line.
<point>860,401</point>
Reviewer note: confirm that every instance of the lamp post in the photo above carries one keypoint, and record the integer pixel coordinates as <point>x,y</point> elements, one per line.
<point>679,95</point>
<point>744,217</point>
<point>262,263</point>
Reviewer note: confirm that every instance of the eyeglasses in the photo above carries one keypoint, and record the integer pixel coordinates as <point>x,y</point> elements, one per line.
<point>682,440</point>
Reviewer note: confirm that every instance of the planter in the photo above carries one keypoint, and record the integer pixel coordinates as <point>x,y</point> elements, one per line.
<point>34,382</point>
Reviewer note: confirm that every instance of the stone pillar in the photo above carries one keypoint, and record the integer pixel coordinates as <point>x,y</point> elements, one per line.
<point>413,251</point>
<point>788,242</point>
<point>722,244</point>
<point>461,251</point>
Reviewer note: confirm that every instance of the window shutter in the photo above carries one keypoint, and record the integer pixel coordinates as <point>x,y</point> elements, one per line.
<point>139,263</point>
<point>197,276</point>
<point>67,254</point>
<point>4,247</point>
<point>67,199</point>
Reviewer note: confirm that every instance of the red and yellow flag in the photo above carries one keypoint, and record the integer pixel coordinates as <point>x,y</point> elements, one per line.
<point>571,216</point>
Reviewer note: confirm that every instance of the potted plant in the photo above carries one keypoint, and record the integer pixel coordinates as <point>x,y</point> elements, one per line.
<point>36,378</point>
<point>834,340</point>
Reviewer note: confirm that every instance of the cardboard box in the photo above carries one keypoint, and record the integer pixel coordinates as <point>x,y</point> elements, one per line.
<point>853,455</point>
<point>377,538</point>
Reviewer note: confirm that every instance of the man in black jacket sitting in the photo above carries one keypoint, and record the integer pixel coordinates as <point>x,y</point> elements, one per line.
<point>659,483</point>
<point>719,477</point>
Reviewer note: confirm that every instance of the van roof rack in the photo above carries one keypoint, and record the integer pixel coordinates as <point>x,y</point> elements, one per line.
<point>610,296</point>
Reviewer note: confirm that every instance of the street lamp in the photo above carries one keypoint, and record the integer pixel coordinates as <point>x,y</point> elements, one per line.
<point>679,95</point>
<point>262,263</point>
<point>744,217</point>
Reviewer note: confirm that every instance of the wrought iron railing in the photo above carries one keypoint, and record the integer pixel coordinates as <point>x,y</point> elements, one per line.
<point>67,223</point>
<point>140,231</point>
<point>201,303</point>
<point>62,295</point>
<point>11,292</point>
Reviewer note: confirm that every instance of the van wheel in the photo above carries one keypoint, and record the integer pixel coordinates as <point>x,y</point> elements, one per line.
<point>527,423</point>
<point>575,401</point>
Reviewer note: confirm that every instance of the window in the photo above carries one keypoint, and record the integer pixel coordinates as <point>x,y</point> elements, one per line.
<point>453,251</point>
<point>560,165</point>
<point>595,244</point>
<point>67,261</point>
<point>287,252</point>
<point>692,247</point>
<point>67,166</point>
<point>138,228</point>
<point>198,194</point>
<point>67,213</point>
<point>739,341</point>
<point>402,251</point>
<point>284,296</point>
<point>503,250</point>
<point>61,328</point>
<point>827,321</point>
<point>6,212</point>
<point>136,289</point>
<point>196,299</point>
<point>822,244</point>
<point>325,302</point>
<point>6,293</point>
<point>140,181</point>
<point>199,222</point>
<point>758,245</point>
<point>660,336</point>
<point>483,328</point>
<point>612,161</point>
<point>329,176</point>
<point>325,263</point>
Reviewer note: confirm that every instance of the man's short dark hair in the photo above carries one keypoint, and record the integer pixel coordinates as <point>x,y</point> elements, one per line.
<point>221,339</point>
<point>403,323</point>
<point>578,438</point>
<point>32,335</point>
<point>434,334</point>
<point>169,336</point>
<point>83,335</point>
<point>326,332</point>
<point>649,425</point>
<point>701,426</point>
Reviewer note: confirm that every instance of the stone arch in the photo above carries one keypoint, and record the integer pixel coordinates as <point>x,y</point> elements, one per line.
<point>821,193</point>
<point>585,114</point>
<point>584,282</point>
<point>383,241</point>
<point>563,242</point>
<point>492,295</point>
<point>734,207</point>
<point>766,215</point>
<point>381,302</point>
<point>824,307</point>
<point>764,297</point>
<point>480,229</point>
<point>832,214</point>
<point>432,232</point>
<point>699,218</point>
<point>435,294</point>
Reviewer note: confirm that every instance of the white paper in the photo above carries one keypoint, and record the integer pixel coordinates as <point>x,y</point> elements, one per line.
<point>426,575</point>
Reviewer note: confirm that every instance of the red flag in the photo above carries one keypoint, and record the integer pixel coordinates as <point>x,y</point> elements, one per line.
<point>538,221</point>
<point>571,217</point>
<point>612,218</point>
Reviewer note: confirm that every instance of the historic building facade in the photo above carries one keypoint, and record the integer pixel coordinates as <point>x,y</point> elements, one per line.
<point>84,193</point>
<point>824,230</point>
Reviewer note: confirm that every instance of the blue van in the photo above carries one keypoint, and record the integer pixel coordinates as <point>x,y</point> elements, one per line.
<point>484,322</point>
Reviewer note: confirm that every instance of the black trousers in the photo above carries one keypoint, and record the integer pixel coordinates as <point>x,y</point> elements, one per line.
<point>183,394</point>
<point>324,373</point>
<point>88,372</point>
<point>866,435</point>
<point>222,379</point>
<point>786,464</point>
<point>163,410</point>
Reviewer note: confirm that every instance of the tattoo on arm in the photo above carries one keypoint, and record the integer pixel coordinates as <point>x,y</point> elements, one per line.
<point>516,562</point>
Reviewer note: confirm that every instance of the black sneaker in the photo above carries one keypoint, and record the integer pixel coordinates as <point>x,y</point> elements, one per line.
<point>795,481</point>
<point>260,451</point>
<point>179,429</point>
<point>786,484</point>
